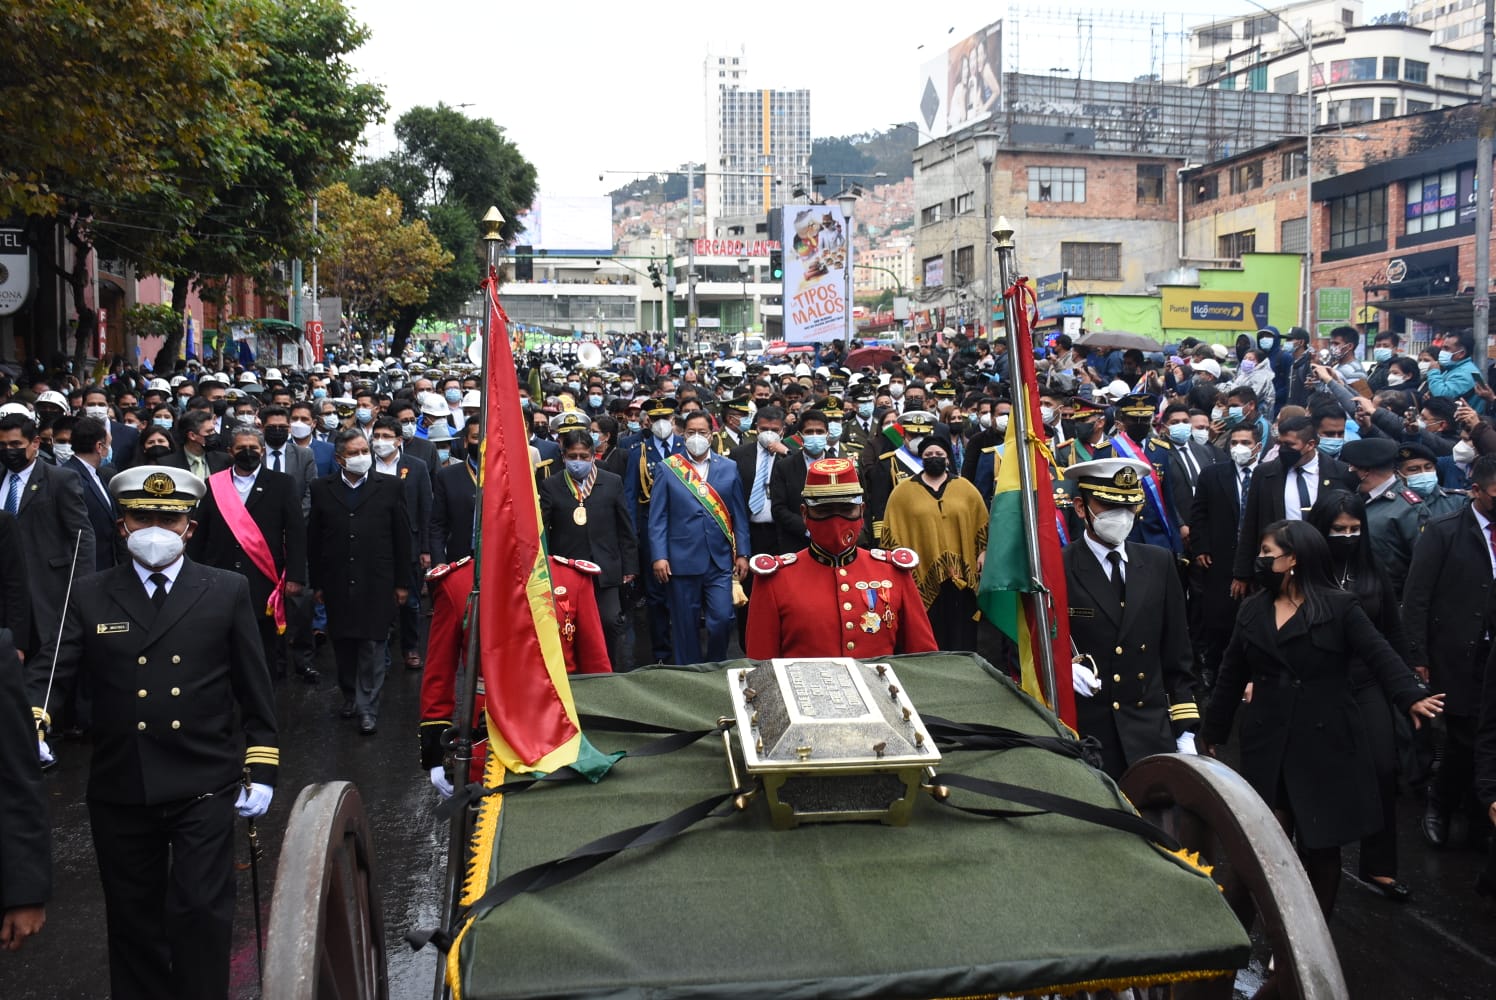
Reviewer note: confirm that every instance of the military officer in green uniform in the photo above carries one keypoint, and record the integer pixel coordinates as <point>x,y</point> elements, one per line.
<point>735,413</point>
<point>836,428</point>
<point>858,427</point>
<point>1419,470</point>
<point>1394,513</point>
<point>184,736</point>
<point>1134,686</point>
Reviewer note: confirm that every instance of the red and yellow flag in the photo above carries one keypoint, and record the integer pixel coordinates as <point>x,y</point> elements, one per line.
<point>532,721</point>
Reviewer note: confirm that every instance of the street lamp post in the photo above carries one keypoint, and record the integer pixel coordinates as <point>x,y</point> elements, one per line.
<point>848,202</point>
<point>743,263</point>
<point>986,144</point>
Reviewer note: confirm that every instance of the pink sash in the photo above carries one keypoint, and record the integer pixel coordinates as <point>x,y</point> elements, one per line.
<point>251,539</point>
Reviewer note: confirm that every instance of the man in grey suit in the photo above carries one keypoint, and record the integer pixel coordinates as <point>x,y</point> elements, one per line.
<point>56,536</point>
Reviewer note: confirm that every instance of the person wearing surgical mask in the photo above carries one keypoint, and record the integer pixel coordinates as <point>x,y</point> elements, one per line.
<point>1394,513</point>
<point>942,518</point>
<point>788,479</point>
<point>646,456</point>
<point>1135,689</point>
<point>126,439</point>
<point>1419,471</point>
<point>360,560</point>
<point>1384,352</point>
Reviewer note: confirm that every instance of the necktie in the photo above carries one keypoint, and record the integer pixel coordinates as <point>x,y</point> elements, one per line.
<point>158,596</point>
<point>1304,501</point>
<point>13,495</point>
<point>1492,529</point>
<point>1241,503</point>
<point>275,461</point>
<point>1119,584</point>
<point>760,483</point>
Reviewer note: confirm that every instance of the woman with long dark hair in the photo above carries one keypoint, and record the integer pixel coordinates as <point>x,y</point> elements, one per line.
<point>1340,516</point>
<point>1303,746</point>
<point>605,443</point>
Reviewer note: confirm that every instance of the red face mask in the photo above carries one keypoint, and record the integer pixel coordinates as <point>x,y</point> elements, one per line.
<point>834,534</point>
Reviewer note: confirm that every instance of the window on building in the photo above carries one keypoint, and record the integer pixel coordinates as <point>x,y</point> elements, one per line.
<point>1390,65</point>
<point>1092,261</point>
<point>1388,108</point>
<point>1151,183</point>
<point>1057,183</point>
<point>1288,83</point>
<point>1418,107</point>
<point>1350,70</point>
<point>931,215</point>
<point>1415,71</point>
<point>1293,236</point>
<point>1233,245</point>
<point>1206,188</point>
<point>1358,219</point>
<point>965,202</point>
<point>1432,202</point>
<point>1255,78</point>
<point>1262,24</point>
<point>1291,165</point>
<point>934,269</point>
<point>966,258</point>
<point>1216,34</point>
<point>1358,109</point>
<point>1347,17</point>
<point>1246,177</point>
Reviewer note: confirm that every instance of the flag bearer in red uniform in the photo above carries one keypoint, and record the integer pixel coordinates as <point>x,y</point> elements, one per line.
<point>832,598</point>
<point>582,640</point>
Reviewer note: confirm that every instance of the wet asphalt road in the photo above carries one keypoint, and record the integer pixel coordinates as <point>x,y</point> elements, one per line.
<point>1442,944</point>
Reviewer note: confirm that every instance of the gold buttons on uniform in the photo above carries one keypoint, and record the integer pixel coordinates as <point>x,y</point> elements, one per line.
<point>1143,648</point>
<point>175,692</point>
<point>141,661</point>
<point>846,607</point>
<point>140,726</point>
<point>842,572</point>
<point>1140,676</point>
<point>141,693</point>
<point>176,659</point>
<point>849,624</point>
<point>1119,650</point>
<point>1116,707</point>
<point>1117,678</point>
<point>846,587</point>
<point>1140,704</point>
<point>177,725</point>
<point>850,645</point>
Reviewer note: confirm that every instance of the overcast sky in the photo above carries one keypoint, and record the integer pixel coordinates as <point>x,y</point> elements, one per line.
<point>586,87</point>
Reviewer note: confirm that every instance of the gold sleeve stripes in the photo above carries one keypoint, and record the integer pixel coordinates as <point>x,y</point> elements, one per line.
<point>269,756</point>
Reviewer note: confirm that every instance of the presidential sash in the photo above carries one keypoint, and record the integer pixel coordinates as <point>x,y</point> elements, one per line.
<point>1123,445</point>
<point>252,540</point>
<point>702,491</point>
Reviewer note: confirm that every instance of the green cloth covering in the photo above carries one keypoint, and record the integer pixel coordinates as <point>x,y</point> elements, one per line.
<point>950,905</point>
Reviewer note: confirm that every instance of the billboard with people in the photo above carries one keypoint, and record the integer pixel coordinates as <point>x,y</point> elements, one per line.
<point>964,85</point>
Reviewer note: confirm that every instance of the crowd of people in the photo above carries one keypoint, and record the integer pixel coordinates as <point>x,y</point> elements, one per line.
<point>1268,543</point>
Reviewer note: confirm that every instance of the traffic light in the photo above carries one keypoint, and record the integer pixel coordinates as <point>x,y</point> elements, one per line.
<point>776,265</point>
<point>654,275</point>
<point>524,263</point>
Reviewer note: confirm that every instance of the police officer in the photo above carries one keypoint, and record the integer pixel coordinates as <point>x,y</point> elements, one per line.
<point>1127,620</point>
<point>1418,468</point>
<point>858,427</point>
<point>1394,513</point>
<point>644,457</point>
<point>735,413</point>
<point>173,652</point>
<point>833,598</point>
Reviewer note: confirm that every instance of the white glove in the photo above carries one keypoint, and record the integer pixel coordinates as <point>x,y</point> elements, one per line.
<point>1084,680</point>
<point>1186,744</point>
<point>254,800</point>
<point>44,752</point>
<point>439,781</point>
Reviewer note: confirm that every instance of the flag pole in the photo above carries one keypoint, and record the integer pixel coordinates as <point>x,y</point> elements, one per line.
<point>1018,368</point>
<point>467,688</point>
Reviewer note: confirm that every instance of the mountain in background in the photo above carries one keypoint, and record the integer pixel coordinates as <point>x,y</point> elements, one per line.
<point>890,152</point>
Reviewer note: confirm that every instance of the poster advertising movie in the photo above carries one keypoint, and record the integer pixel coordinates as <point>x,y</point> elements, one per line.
<point>817,260</point>
<point>962,86</point>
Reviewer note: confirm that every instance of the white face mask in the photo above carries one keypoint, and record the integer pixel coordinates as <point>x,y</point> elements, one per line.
<point>896,389</point>
<point>62,452</point>
<point>358,465</point>
<point>301,431</point>
<point>1464,453</point>
<point>1113,526</point>
<point>697,444</point>
<point>155,547</point>
<point>97,412</point>
<point>1395,380</point>
<point>1200,435</point>
<point>1241,455</point>
<point>1046,414</point>
<point>383,448</point>
<point>662,429</point>
<point>984,421</point>
<point>1002,423</point>
<point>768,439</point>
<point>407,431</point>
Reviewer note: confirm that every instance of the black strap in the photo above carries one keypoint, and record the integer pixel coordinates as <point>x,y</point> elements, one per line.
<point>583,859</point>
<point>1060,805</point>
<point>950,735</point>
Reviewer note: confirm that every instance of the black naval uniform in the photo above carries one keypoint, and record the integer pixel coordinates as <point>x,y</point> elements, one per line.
<point>1142,651</point>
<point>168,761</point>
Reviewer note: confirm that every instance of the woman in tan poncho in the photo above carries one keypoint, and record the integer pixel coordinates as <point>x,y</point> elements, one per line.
<point>942,518</point>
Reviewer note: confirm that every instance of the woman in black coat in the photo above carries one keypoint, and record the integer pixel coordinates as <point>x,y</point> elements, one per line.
<point>610,457</point>
<point>1304,748</point>
<point>1340,516</point>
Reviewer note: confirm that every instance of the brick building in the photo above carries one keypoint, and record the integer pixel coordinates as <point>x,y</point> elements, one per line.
<point>1393,220</point>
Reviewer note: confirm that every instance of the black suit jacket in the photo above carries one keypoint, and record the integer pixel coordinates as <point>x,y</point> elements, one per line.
<point>1142,653</point>
<point>452,504</point>
<point>1445,599</point>
<point>274,505</point>
<point>1214,516</point>
<point>423,451</point>
<point>358,552</point>
<point>1182,478</point>
<point>608,536</point>
<point>102,513</point>
<point>15,597</point>
<point>53,519</point>
<point>415,480</point>
<point>1265,505</point>
<point>217,460</point>
<point>25,834</point>
<point>196,660</point>
<point>125,441</point>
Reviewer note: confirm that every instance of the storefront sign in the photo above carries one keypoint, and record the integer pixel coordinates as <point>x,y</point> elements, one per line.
<point>1333,305</point>
<point>735,248</point>
<point>15,271</point>
<point>1208,309</point>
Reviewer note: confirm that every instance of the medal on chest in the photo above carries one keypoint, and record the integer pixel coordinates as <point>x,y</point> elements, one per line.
<point>872,623</point>
<point>579,516</point>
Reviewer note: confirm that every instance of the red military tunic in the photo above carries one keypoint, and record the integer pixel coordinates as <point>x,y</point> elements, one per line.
<point>582,642</point>
<point>864,604</point>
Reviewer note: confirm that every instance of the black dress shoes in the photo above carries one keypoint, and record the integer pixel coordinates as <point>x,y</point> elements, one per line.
<point>308,674</point>
<point>347,709</point>
<point>366,726</point>
<point>1396,890</point>
<point>1435,824</point>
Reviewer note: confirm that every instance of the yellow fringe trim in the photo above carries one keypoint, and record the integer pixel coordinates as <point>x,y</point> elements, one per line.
<point>1115,985</point>
<point>480,859</point>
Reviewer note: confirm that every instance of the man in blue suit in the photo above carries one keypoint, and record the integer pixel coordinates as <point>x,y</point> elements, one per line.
<point>698,540</point>
<point>639,482</point>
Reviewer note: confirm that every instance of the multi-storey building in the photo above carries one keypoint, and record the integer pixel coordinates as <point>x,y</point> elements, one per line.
<point>758,142</point>
<point>1455,23</point>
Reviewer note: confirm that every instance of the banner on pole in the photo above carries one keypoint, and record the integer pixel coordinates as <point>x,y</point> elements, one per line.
<point>815,273</point>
